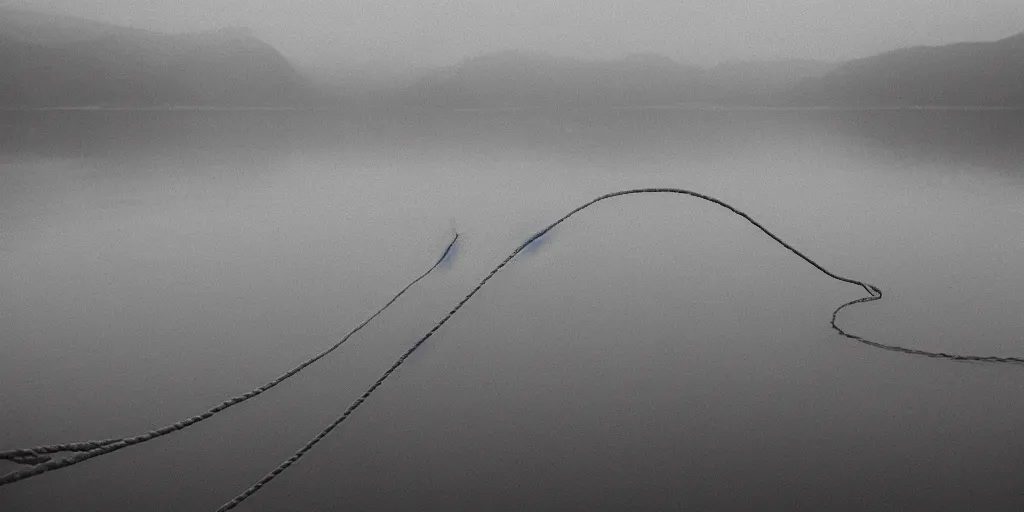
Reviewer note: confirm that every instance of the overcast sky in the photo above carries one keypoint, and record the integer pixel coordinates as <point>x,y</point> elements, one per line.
<point>433,32</point>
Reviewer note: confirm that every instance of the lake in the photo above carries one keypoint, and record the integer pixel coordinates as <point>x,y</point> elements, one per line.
<point>654,352</point>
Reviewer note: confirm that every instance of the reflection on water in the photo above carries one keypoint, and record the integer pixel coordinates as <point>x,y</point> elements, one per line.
<point>653,353</point>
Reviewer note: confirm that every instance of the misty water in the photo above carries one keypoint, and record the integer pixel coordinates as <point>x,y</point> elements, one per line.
<point>653,352</point>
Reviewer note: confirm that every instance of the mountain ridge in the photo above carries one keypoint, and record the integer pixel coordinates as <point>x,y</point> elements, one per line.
<point>958,74</point>
<point>519,78</point>
<point>98,64</point>
<point>56,61</point>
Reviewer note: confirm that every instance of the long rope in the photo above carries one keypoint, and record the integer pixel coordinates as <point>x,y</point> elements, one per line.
<point>43,463</point>
<point>874,293</point>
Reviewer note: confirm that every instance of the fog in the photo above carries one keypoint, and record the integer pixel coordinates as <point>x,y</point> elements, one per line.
<point>653,353</point>
<point>402,33</point>
<point>184,218</point>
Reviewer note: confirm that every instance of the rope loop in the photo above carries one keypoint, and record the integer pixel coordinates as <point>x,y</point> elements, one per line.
<point>874,293</point>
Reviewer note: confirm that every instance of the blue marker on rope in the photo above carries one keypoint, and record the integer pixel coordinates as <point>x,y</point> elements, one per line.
<point>449,253</point>
<point>533,243</point>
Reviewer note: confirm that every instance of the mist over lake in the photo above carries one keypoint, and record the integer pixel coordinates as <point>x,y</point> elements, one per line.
<point>651,353</point>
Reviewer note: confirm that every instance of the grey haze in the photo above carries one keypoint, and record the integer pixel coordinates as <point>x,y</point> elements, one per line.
<point>399,35</point>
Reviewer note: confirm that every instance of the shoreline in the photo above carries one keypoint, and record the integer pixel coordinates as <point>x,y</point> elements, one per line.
<point>681,107</point>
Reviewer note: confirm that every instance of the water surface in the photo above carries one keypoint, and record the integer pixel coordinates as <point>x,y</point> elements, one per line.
<point>654,352</point>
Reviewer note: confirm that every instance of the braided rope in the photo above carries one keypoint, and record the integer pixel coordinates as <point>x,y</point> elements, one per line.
<point>874,293</point>
<point>90,449</point>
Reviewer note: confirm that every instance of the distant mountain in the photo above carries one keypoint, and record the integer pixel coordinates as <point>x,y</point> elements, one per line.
<point>751,81</point>
<point>61,61</point>
<point>54,30</point>
<point>48,60</point>
<point>963,74</point>
<point>515,78</point>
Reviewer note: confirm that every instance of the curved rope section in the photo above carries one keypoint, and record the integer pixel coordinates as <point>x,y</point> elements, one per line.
<point>43,463</point>
<point>874,293</point>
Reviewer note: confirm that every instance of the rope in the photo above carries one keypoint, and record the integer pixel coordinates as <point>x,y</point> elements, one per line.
<point>43,463</point>
<point>874,293</point>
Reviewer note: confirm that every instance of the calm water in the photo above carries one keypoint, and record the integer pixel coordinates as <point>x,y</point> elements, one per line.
<point>655,352</point>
